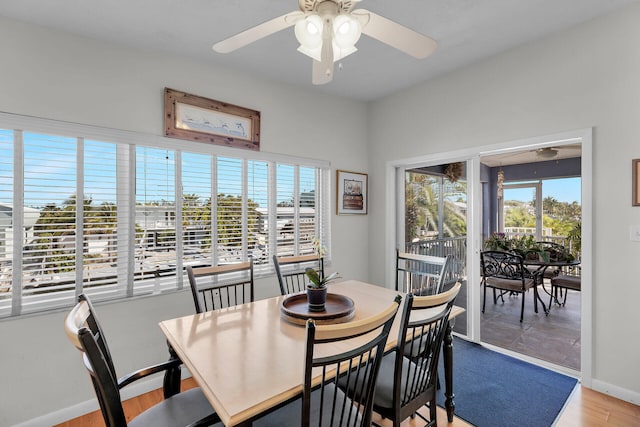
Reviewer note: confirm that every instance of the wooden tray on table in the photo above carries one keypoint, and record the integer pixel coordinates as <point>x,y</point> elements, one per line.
<point>338,309</point>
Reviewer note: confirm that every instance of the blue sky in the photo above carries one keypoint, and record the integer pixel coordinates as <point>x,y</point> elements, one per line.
<point>50,173</point>
<point>564,190</point>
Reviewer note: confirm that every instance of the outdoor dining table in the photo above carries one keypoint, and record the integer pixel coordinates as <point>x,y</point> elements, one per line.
<point>248,359</point>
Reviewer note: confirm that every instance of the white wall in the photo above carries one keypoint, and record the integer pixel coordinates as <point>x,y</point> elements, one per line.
<point>57,76</point>
<point>588,76</point>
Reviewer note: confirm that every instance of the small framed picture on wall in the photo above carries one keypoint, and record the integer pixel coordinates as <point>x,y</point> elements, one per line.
<point>351,193</point>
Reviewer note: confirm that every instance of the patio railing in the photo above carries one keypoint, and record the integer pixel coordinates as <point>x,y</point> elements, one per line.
<point>454,246</point>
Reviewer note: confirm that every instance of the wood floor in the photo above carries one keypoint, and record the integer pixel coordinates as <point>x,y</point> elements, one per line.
<point>585,408</point>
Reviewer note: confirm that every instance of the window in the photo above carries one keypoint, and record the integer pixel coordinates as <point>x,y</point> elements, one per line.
<point>118,214</point>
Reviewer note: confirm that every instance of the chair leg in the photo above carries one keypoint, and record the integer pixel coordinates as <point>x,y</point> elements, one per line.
<point>484,298</point>
<point>522,308</point>
<point>432,413</point>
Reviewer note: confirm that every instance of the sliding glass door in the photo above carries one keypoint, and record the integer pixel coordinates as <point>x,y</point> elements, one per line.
<point>435,220</point>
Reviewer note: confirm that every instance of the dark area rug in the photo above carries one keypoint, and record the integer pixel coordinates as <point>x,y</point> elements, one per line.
<point>495,390</point>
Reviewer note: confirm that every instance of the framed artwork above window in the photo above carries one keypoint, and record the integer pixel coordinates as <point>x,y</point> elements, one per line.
<point>201,119</point>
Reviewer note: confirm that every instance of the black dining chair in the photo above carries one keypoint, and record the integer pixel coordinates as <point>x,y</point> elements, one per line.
<point>350,351</point>
<point>190,407</point>
<point>221,286</point>
<point>421,274</point>
<point>408,376</point>
<point>290,271</point>
<point>505,272</point>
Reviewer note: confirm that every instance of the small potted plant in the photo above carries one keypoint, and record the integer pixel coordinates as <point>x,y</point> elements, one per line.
<point>317,286</point>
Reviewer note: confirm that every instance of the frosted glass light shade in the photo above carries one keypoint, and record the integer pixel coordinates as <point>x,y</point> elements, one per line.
<point>346,31</point>
<point>312,53</point>
<point>309,32</point>
<point>343,33</point>
<point>339,53</point>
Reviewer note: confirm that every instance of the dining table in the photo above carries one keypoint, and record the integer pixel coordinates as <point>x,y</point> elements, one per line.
<point>249,359</point>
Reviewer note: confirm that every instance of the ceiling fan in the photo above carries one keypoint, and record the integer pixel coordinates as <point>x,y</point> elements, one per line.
<point>328,30</point>
<point>547,152</point>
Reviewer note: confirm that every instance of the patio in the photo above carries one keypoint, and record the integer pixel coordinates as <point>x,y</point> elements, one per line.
<point>554,338</point>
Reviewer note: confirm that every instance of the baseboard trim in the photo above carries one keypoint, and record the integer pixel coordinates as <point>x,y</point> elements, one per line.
<point>615,391</point>
<point>82,408</point>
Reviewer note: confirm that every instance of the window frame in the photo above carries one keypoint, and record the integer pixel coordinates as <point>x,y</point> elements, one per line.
<point>126,143</point>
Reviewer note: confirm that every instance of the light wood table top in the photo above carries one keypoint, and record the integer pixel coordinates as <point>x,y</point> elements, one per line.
<point>248,359</point>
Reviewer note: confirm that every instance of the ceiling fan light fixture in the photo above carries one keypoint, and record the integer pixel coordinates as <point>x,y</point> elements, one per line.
<point>308,32</point>
<point>346,31</point>
<point>315,53</point>
<point>339,52</point>
<point>547,152</point>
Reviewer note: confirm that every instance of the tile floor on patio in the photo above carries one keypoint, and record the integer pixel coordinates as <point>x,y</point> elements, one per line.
<point>554,338</point>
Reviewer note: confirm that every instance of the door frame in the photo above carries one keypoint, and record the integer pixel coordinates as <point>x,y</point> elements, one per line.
<point>394,197</point>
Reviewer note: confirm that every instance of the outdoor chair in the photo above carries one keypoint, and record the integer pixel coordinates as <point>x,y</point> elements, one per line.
<point>360,346</point>
<point>290,271</point>
<point>221,286</point>
<point>505,272</point>
<point>421,274</point>
<point>564,282</point>
<point>409,373</point>
<point>177,409</point>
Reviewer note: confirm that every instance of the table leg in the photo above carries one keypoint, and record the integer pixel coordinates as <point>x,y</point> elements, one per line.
<point>172,376</point>
<point>448,372</point>
<point>537,294</point>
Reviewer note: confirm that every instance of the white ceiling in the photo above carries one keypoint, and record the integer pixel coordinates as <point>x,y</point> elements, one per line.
<point>466,31</point>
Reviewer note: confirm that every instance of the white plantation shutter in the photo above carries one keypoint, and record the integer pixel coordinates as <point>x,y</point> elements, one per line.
<point>286,224</point>
<point>307,212</point>
<point>197,240</point>
<point>49,218</point>
<point>258,212</point>
<point>145,210</point>
<point>302,195</point>
<point>155,220</point>
<point>229,211</point>
<point>6,220</point>
<point>100,220</point>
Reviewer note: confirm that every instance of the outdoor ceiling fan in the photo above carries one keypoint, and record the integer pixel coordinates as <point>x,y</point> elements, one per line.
<point>547,152</point>
<point>328,30</point>
<point>552,152</point>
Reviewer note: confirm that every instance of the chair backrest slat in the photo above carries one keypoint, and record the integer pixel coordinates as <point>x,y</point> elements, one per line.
<point>290,271</point>
<point>360,364</point>
<point>223,286</point>
<point>421,333</point>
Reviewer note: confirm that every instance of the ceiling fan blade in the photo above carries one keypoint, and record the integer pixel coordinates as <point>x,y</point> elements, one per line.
<point>395,35</point>
<point>256,33</point>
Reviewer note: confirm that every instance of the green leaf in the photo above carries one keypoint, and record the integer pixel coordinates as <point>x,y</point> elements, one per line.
<point>313,276</point>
